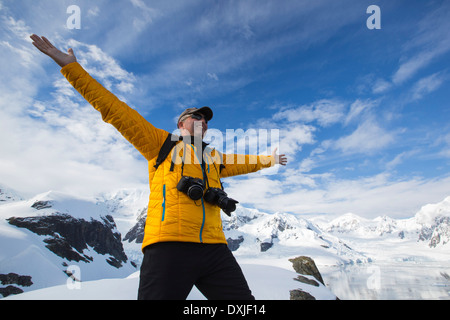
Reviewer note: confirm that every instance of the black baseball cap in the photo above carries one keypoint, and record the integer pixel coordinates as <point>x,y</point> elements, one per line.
<point>205,111</point>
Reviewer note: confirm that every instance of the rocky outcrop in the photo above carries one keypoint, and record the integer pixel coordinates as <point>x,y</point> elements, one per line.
<point>437,233</point>
<point>306,266</point>
<point>13,280</point>
<point>136,233</point>
<point>299,294</point>
<point>68,237</point>
<point>234,244</point>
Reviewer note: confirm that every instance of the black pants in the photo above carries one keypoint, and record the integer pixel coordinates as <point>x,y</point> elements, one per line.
<point>169,270</point>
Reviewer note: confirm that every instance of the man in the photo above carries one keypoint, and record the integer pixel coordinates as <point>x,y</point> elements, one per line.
<point>184,244</point>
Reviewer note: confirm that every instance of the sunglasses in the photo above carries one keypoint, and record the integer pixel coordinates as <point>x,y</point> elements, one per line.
<point>198,116</point>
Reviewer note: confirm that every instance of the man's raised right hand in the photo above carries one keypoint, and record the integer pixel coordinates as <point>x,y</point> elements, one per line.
<point>46,47</point>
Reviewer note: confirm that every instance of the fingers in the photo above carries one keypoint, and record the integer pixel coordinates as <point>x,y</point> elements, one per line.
<point>274,152</point>
<point>279,159</point>
<point>283,160</point>
<point>48,43</point>
<point>41,43</point>
<point>70,52</point>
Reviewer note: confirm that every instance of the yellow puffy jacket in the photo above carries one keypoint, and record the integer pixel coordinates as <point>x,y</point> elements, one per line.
<point>171,215</point>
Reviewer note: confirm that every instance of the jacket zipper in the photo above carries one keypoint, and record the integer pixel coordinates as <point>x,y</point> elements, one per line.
<point>203,204</point>
<point>203,222</point>
<point>163,203</point>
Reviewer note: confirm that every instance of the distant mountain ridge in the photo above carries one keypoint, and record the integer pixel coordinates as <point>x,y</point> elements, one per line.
<point>431,224</point>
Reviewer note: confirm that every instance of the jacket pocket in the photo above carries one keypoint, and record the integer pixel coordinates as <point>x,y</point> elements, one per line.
<point>163,205</point>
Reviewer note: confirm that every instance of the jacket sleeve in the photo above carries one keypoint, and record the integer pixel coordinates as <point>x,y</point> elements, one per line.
<point>236,164</point>
<point>139,132</point>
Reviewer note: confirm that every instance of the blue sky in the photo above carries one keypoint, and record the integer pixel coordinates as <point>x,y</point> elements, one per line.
<point>362,114</point>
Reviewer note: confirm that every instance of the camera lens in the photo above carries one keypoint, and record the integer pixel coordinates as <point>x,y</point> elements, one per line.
<point>226,204</point>
<point>220,198</point>
<point>195,192</point>
<point>192,187</point>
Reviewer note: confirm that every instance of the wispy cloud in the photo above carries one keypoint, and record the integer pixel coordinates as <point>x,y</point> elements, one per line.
<point>427,85</point>
<point>369,137</point>
<point>324,112</point>
<point>429,43</point>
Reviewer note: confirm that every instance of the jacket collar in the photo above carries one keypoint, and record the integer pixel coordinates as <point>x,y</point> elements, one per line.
<point>194,140</point>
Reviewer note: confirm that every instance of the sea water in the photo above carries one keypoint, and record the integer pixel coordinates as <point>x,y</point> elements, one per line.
<point>389,280</point>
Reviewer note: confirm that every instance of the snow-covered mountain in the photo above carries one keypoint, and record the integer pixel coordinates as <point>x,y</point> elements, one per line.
<point>251,233</point>
<point>8,195</point>
<point>435,222</point>
<point>53,238</point>
<point>430,225</point>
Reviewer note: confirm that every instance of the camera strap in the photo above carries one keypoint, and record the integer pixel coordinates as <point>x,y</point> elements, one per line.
<point>167,146</point>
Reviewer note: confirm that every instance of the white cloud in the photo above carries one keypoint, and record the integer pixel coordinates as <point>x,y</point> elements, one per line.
<point>368,138</point>
<point>427,85</point>
<point>369,197</point>
<point>407,69</point>
<point>58,141</point>
<point>75,153</point>
<point>103,67</point>
<point>293,136</point>
<point>213,76</point>
<point>17,27</point>
<point>358,109</point>
<point>381,86</point>
<point>257,190</point>
<point>93,12</point>
<point>430,42</point>
<point>148,15</point>
<point>325,112</point>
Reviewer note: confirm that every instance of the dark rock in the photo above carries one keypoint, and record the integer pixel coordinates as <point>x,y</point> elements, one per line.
<point>438,233</point>
<point>266,246</point>
<point>306,265</point>
<point>69,236</point>
<point>14,278</point>
<point>307,281</point>
<point>136,233</point>
<point>39,205</point>
<point>9,290</point>
<point>298,294</point>
<point>233,244</point>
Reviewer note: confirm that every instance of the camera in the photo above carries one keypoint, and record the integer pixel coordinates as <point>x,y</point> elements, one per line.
<point>219,197</point>
<point>193,187</point>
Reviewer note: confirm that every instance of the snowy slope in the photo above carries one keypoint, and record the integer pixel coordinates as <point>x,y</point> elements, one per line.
<point>8,195</point>
<point>54,235</point>
<point>264,287</point>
